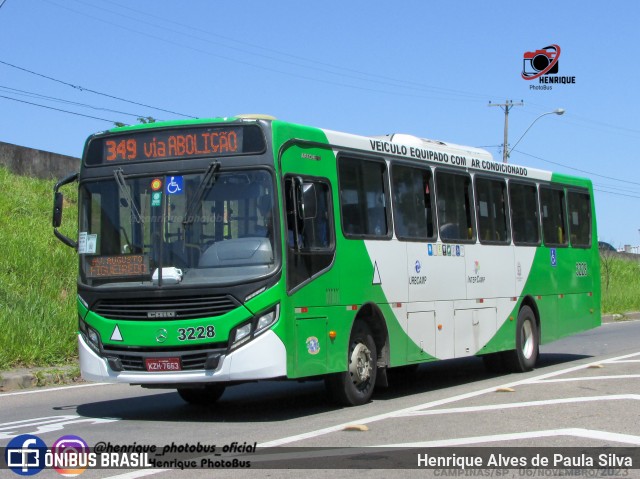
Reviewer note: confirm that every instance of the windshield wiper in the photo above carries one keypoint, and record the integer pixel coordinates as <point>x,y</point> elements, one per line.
<point>119,176</point>
<point>207,182</point>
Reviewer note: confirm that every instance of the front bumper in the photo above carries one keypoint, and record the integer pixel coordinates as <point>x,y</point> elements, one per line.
<point>265,357</point>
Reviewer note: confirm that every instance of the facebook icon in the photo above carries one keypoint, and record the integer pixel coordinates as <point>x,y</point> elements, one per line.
<point>25,455</point>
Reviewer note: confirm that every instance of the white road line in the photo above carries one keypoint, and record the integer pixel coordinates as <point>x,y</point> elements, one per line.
<point>47,424</point>
<point>589,378</point>
<point>140,473</point>
<point>494,407</point>
<point>36,421</point>
<point>627,361</point>
<point>431,404</point>
<point>574,432</point>
<point>48,390</point>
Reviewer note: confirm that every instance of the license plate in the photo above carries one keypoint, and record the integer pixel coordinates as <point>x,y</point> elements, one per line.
<point>163,364</point>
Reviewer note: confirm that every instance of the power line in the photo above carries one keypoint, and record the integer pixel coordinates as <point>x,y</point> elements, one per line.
<point>363,76</point>
<point>81,88</point>
<point>58,109</point>
<point>30,94</point>
<point>578,169</point>
<point>616,194</point>
<point>275,70</point>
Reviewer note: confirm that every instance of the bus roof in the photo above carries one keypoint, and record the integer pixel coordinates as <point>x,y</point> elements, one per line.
<point>397,144</point>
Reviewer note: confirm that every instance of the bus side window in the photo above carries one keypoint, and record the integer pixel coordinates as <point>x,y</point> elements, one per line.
<point>524,213</point>
<point>580,218</point>
<point>455,206</point>
<point>492,210</point>
<point>412,208</point>
<point>315,246</point>
<point>554,221</point>
<point>363,198</point>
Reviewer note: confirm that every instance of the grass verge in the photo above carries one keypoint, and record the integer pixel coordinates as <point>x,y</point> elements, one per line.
<point>620,283</point>
<point>37,275</point>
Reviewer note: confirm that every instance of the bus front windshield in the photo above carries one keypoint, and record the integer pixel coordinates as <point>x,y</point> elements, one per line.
<point>213,227</point>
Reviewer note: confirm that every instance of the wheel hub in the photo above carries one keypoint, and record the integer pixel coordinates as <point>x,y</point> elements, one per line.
<point>360,364</point>
<point>527,339</point>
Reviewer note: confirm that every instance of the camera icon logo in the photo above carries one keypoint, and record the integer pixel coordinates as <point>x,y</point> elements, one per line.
<point>70,455</point>
<point>25,455</point>
<point>541,62</point>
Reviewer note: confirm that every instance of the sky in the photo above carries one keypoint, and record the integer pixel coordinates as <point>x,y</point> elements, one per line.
<point>370,67</point>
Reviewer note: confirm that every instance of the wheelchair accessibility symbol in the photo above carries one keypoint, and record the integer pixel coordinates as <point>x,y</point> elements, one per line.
<point>174,185</point>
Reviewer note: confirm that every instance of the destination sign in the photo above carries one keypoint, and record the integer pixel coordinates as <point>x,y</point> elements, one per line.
<point>161,144</point>
<point>117,266</point>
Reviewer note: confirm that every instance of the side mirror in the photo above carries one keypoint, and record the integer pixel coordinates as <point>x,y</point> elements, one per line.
<point>58,202</point>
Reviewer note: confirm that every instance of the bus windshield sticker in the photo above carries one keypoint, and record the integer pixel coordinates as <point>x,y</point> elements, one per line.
<point>82,242</point>
<point>87,243</point>
<point>92,241</point>
<point>118,266</point>
<point>175,185</point>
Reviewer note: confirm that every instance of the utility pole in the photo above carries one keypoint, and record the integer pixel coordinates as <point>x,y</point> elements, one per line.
<point>506,106</point>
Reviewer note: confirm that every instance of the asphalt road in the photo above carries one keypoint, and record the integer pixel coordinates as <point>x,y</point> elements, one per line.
<point>582,394</point>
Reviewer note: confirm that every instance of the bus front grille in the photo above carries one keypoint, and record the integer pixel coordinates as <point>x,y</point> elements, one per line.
<point>151,309</point>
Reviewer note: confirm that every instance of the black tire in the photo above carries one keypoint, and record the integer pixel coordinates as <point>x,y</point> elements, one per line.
<point>205,396</point>
<point>524,357</point>
<point>354,386</point>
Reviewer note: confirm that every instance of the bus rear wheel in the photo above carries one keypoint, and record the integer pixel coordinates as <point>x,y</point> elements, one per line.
<point>524,357</point>
<point>202,396</point>
<point>355,386</point>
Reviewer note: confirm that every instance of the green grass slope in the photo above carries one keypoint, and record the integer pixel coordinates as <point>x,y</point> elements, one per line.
<point>620,283</point>
<point>37,275</point>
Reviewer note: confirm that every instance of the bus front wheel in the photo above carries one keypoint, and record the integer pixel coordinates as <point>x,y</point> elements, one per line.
<point>524,357</point>
<point>355,386</point>
<point>202,396</point>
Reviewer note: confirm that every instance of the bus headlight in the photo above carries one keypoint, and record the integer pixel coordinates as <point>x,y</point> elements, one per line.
<point>91,336</point>
<point>259,324</point>
<point>267,320</point>
<point>242,333</point>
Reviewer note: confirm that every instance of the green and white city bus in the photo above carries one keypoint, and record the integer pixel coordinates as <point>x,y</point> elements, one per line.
<point>216,252</point>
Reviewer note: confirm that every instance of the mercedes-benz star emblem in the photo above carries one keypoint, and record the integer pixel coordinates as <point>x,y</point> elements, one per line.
<point>161,335</point>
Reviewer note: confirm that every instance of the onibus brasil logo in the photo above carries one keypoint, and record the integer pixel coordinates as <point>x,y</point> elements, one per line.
<point>542,64</point>
<point>27,455</point>
<point>69,456</point>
